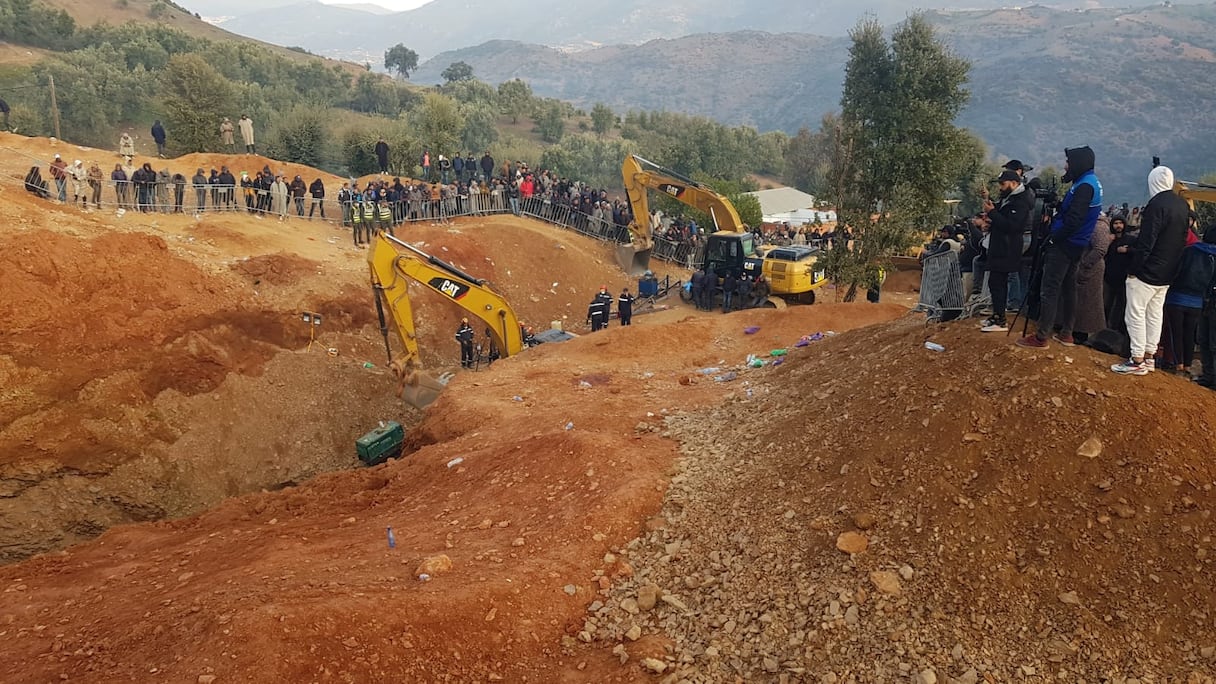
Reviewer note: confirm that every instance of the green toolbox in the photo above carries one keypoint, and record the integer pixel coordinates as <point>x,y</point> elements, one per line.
<point>381,444</point>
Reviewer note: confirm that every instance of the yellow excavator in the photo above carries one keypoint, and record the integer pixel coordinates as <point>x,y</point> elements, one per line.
<point>791,271</point>
<point>394,263</point>
<point>1194,192</point>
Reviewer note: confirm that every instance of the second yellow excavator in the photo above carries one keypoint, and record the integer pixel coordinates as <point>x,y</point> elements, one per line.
<point>394,263</point>
<point>792,272</point>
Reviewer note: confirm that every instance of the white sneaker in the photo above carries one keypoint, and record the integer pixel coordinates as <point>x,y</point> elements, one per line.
<point>991,326</point>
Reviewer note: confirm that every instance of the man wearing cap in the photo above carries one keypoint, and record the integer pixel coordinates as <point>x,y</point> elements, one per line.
<point>1005,222</point>
<point>1018,167</point>
<point>464,335</point>
<point>1068,236</point>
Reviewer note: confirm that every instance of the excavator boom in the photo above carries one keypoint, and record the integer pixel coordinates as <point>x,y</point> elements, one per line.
<point>394,263</point>
<point>640,175</point>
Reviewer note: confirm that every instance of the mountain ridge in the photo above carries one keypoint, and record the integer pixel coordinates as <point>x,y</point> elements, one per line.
<point>1030,68</point>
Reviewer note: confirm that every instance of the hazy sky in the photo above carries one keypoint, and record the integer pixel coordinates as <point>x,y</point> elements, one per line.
<point>396,5</point>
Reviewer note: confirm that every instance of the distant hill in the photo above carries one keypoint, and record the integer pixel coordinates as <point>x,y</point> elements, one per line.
<point>1131,83</point>
<point>116,12</point>
<point>449,24</point>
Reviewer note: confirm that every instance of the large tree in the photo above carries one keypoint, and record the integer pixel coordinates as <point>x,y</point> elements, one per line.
<point>602,118</point>
<point>401,59</point>
<point>457,71</point>
<point>515,97</point>
<point>196,98</point>
<point>894,148</point>
<point>438,124</point>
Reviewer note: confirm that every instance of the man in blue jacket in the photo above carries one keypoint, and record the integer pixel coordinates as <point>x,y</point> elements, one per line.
<point>1070,232</point>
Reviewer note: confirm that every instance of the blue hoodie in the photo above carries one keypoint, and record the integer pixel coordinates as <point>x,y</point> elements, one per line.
<point>1195,276</point>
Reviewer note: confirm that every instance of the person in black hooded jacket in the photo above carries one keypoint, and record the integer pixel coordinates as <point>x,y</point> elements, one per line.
<point>1006,227</point>
<point>317,190</point>
<point>1155,260</point>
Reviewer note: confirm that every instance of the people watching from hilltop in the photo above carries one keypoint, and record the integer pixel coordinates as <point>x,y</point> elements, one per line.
<point>245,125</point>
<point>158,136</point>
<point>1004,225</point>
<point>122,187</point>
<point>317,191</point>
<point>1156,257</point>
<point>226,137</point>
<point>126,145</point>
<point>1068,236</point>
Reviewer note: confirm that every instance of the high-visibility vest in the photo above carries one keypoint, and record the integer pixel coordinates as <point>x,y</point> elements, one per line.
<point>356,214</point>
<point>386,213</point>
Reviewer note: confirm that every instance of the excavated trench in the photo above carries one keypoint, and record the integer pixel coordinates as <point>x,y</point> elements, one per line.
<point>134,387</point>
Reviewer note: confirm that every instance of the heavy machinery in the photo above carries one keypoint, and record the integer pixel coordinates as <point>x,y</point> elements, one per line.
<point>790,271</point>
<point>1194,192</point>
<point>394,263</point>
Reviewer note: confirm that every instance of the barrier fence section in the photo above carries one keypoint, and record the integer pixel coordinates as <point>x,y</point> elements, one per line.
<point>187,198</point>
<point>941,286</point>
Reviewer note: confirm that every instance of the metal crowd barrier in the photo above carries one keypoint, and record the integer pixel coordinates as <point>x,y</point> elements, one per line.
<point>941,287</point>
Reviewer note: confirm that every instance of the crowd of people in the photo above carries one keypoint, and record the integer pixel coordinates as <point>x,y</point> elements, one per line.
<point>1135,281</point>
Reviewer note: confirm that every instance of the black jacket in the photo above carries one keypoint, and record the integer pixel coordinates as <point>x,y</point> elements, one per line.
<point>464,334</point>
<point>317,189</point>
<point>487,164</point>
<point>1118,264</point>
<point>1009,221</point>
<point>382,151</point>
<point>1158,252</point>
<point>158,133</point>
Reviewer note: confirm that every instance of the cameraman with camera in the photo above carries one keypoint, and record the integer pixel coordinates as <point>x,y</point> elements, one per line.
<point>1006,223</point>
<point>1069,234</point>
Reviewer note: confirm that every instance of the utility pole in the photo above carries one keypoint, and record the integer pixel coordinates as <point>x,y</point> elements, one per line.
<point>55,108</point>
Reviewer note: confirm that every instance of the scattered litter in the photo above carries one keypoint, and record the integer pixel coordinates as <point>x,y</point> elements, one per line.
<point>455,461</point>
<point>583,384</point>
<point>517,398</point>
<point>569,426</point>
<point>709,371</point>
<point>933,346</point>
<point>647,376</point>
<point>778,352</point>
<point>424,577</point>
<point>368,364</point>
<point>751,330</point>
<point>753,362</point>
<point>332,351</point>
<point>392,539</point>
<point>727,377</point>
<point>779,361</point>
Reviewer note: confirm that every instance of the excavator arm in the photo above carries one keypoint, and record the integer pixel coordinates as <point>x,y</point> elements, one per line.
<point>640,175</point>
<point>394,263</point>
<point>1195,192</point>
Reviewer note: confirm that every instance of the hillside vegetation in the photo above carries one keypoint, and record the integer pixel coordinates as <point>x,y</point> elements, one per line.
<point>1031,68</point>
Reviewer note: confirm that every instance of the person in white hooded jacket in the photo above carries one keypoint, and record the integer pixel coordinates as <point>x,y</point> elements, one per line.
<point>1156,257</point>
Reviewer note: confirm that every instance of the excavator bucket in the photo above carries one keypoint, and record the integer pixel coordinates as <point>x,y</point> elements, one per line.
<point>419,389</point>
<point>632,260</point>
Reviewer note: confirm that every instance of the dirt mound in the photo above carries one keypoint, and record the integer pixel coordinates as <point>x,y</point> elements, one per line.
<point>1010,514</point>
<point>276,269</point>
<point>525,516</point>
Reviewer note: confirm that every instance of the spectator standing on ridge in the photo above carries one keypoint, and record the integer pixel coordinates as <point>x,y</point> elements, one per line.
<point>458,167</point>
<point>1090,316</point>
<point>122,188</point>
<point>226,139</point>
<point>246,126</point>
<point>317,190</point>
<point>1184,303</point>
<point>279,192</point>
<point>382,156</point>
<point>179,192</point>
<point>158,135</point>
<point>1069,235</point>
<point>95,184</point>
<point>126,146</point>
<point>470,167</point>
<point>445,169</point>
<point>426,165</point>
<point>1006,224</point>
<point>298,188</point>
<point>487,167</point>
<point>200,190</point>
<point>1156,257</point>
<point>227,189</point>
<point>79,178</point>
<point>59,173</point>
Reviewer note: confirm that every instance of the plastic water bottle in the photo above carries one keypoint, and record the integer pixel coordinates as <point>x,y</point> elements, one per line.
<point>392,540</point>
<point>933,346</point>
